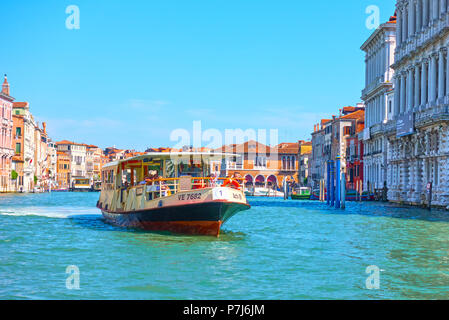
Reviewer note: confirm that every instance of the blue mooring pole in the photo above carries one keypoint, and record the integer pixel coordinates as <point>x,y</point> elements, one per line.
<point>332,183</point>
<point>337,182</point>
<point>328,191</point>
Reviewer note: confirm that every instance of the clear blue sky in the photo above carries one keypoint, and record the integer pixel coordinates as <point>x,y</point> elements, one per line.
<point>138,69</point>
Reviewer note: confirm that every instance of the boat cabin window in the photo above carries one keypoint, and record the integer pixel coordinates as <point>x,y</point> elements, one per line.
<point>136,173</point>
<point>194,168</point>
<point>107,176</point>
<point>170,169</point>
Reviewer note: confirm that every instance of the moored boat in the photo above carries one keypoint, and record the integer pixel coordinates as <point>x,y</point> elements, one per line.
<point>81,184</point>
<point>303,194</point>
<point>351,195</point>
<point>169,192</point>
<point>264,192</point>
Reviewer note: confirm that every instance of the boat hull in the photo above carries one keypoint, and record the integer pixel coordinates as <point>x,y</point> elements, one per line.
<point>301,196</point>
<point>194,219</point>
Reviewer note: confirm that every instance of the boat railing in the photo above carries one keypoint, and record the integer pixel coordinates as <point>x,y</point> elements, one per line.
<point>164,187</point>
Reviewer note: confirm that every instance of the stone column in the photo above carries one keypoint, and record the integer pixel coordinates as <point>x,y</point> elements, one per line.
<point>403,95</point>
<point>404,25</point>
<point>399,27</point>
<point>425,14</point>
<point>387,61</point>
<point>396,97</point>
<point>409,89</point>
<point>367,115</point>
<point>418,15</point>
<point>368,62</point>
<point>433,78</point>
<point>417,87</point>
<point>412,19</point>
<point>383,63</point>
<point>443,6</point>
<point>424,82</point>
<point>435,13</point>
<point>366,73</point>
<point>441,69</point>
<point>447,71</point>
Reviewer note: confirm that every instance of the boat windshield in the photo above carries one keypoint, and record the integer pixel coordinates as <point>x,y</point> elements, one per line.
<point>193,168</point>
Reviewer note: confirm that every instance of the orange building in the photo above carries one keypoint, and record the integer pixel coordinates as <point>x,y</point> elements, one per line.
<point>262,165</point>
<point>18,145</point>
<point>63,169</point>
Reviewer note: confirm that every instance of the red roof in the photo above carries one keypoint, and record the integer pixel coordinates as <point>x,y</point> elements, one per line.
<point>20,104</point>
<point>359,115</point>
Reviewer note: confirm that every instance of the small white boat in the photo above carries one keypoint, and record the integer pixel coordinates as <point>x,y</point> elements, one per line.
<point>264,192</point>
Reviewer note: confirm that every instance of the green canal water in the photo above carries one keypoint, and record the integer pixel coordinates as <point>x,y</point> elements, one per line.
<point>277,250</point>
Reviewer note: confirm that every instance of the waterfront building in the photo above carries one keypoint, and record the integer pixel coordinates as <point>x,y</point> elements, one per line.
<point>379,49</point>
<point>103,160</point>
<point>63,170</point>
<point>330,139</point>
<point>114,154</point>
<point>355,158</point>
<point>18,158</point>
<point>304,157</point>
<point>35,154</point>
<point>77,153</point>
<point>41,155</point>
<point>261,165</point>
<point>418,133</point>
<point>342,127</point>
<point>24,147</point>
<point>6,127</point>
<point>319,155</point>
<point>52,163</point>
<point>162,149</point>
<point>93,163</point>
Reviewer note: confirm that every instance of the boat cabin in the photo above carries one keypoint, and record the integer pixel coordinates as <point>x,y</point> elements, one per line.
<point>159,175</point>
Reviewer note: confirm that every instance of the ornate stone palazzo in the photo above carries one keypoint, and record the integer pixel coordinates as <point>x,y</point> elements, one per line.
<point>379,49</point>
<point>420,155</point>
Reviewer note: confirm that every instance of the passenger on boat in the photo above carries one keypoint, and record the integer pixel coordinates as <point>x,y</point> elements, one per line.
<point>213,178</point>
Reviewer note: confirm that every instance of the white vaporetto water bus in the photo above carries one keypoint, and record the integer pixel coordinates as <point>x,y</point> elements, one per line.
<point>172,192</point>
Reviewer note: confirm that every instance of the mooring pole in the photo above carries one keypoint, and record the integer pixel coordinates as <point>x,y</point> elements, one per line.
<point>328,194</point>
<point>337,182</point>
<point>332,178</point>
<point>322,190</point>
<point>343,191</point>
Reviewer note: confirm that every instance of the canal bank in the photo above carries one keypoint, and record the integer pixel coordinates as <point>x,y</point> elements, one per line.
<point>277,250</point>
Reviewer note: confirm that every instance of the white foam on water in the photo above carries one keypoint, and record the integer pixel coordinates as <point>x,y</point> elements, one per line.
<point>50,212</point>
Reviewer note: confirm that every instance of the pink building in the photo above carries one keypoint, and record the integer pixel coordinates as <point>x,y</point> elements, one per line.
<point>6,126</point>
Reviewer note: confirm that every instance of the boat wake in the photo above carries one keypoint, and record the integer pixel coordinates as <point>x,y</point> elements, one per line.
<point>50,212</point>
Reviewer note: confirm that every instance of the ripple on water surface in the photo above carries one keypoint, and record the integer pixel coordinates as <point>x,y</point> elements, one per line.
<point>277,250</point>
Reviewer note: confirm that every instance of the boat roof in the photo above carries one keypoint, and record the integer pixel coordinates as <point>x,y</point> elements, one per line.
<point>178,155</point>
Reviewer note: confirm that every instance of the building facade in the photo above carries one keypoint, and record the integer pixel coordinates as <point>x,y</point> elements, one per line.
<point>418,134</point>
<point>93,163</point>
<point>6,128</point>
<point>261,165</point>
<point>379,50</point>
<point>77,153</point>
<point>304,156</point>
<point>355,160</point>
<point>63,171</point>
<point>320,153</point>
